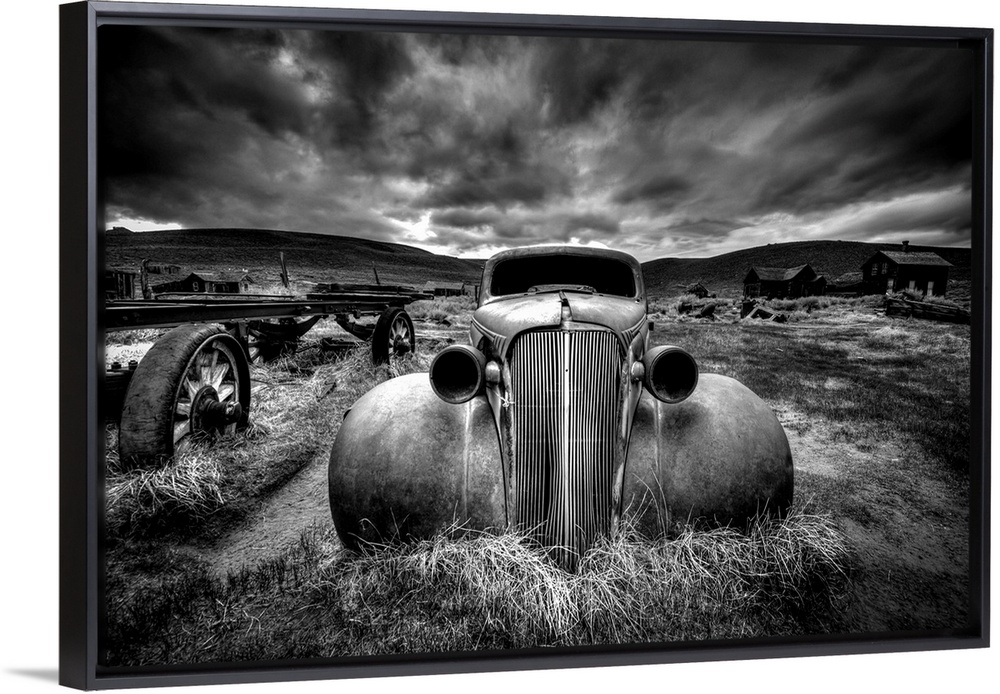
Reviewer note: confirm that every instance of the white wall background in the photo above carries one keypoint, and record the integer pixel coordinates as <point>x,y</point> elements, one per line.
<point>29,381</point>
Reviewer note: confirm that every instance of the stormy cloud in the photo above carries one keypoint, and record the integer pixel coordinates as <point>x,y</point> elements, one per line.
<point>463,144</point>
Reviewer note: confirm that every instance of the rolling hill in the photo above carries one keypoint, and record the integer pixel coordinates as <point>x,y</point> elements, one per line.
<point>725,273</point>
<point>327,258</point>
<point>309,257</point>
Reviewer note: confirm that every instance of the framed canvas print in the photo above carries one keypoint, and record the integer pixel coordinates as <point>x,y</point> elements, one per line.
<point>424,342</point>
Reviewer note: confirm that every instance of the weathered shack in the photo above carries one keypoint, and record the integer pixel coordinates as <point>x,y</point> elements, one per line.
<point>783,283</point>
<point>208,283</point>
<point>471,289</point>
<point>922,272</point>
<point>750,309</point>
<point>163,269</point>
<point>445,288</point>
<point>697,289</point>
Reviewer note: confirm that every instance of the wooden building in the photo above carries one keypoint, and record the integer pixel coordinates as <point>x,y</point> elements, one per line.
<point>698,289</point>
<point>208,283</point>
<point>920,272</point>
<point>783,283</point>
<point>163,269</point>
<point>446,288</point>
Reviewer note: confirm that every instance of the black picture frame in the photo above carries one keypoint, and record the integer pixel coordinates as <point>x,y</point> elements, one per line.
<point>80,324</point>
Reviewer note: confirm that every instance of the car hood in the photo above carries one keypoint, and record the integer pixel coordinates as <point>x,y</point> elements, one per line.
<point>500,321</point>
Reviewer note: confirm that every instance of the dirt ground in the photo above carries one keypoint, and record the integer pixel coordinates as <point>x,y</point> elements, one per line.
<point>908,527</point>
<point>909,533</point>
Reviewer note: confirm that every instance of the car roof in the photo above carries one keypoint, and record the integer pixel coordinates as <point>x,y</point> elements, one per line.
<point>591,251</point>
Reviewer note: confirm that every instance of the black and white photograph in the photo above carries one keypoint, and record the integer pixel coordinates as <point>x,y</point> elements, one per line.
<point>430,342</point>
<point>437,342</point>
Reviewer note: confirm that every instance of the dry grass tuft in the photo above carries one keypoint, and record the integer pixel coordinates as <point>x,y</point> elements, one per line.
<point>464,591</point>
<point>189,487</point>
<point>497,591</point>
<point>134,337</point>
<point>453,310</point>
<point>887,337</point>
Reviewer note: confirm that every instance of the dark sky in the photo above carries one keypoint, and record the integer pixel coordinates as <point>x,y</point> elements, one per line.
<point>468,144</point>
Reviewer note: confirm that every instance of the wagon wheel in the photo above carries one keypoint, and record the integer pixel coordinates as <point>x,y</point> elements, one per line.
<point>268,341</point>
<point>393,336</point>
<point>193,381</point>
<point>261,349</point>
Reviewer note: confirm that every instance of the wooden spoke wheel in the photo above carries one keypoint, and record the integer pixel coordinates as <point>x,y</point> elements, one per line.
<point>393,336</point>
<point>195,380</point>
<point>269,340</point>
<point>261,350</point>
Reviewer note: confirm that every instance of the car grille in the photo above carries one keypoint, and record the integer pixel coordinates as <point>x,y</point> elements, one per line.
<point>564,424</point>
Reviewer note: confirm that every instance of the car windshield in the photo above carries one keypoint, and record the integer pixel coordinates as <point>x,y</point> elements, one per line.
<point>569,272</point>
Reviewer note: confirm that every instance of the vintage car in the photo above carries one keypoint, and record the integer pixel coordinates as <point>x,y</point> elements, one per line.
<point>557,419</point>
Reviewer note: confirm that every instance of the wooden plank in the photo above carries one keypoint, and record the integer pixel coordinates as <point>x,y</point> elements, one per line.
<point>160,314</point>
<point>338,287</point>
<point>927,310</point>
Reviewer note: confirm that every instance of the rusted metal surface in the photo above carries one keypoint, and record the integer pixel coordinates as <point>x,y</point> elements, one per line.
<point>501,321</point>
<point>563,426</point>
<point>575,404</point>
<point>406,464</point>
<point>720,455</point>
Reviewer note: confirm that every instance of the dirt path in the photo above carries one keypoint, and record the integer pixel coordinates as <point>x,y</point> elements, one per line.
<point>279,522</point>
<point>908,528</point>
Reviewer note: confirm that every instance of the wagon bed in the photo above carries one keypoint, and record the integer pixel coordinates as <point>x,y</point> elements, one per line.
<point>195,379</point>
<point>172,309</point>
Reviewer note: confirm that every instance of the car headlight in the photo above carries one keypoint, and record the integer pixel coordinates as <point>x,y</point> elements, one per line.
<point>671,374</point>
<point>458,373</point>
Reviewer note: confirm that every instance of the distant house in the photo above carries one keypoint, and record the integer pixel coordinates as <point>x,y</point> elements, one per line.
<point>208,283</point>
<point>119,284</point>
<point>783,283</point>
<point>446,288</point>
<point>698,289</point>
<point>896,271</point>
<point>163,269</point>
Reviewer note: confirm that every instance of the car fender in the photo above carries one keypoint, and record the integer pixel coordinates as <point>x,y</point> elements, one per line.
<point>406,464</point>
<point>720,455</point>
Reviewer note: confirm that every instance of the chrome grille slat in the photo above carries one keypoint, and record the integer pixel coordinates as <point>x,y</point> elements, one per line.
<point>565,388</point>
